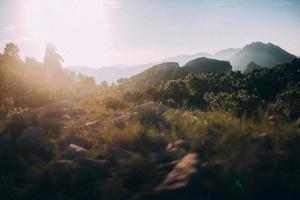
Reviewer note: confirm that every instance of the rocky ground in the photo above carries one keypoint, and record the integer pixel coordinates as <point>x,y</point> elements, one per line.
<point>60,140</point>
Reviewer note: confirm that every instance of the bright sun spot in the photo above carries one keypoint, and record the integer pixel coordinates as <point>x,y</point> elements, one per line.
<point>76,27</point>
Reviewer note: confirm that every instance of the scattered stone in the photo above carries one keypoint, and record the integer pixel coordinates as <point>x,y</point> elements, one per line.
<point>277,119</point>
<point>93,123</point>
<point>74,139</point>
<point>179,144</point>
<point>74,151</point>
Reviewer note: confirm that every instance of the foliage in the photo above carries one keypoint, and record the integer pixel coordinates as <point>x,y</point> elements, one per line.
<point>224,118</point>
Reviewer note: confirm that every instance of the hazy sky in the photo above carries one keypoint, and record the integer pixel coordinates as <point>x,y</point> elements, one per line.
<point>107,32</point>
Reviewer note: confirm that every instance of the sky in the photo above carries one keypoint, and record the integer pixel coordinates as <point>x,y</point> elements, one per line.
<point>108,32</point>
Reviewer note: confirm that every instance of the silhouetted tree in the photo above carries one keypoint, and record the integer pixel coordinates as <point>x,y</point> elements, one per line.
<point>52,62</point>
<point>11,50</point>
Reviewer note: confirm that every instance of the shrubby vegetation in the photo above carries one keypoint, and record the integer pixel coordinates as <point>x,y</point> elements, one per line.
<point>238,93</point>
<point>68,138</point>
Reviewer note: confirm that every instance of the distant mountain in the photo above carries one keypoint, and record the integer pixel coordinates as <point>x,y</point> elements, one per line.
<point>251,66</point>
<point>156,75</point>
<point>226,54</point>
<point>110,73</point>
<point>183,59</point>
<point>206,65</point>
<point>161,73</point>
<point>265,55</point>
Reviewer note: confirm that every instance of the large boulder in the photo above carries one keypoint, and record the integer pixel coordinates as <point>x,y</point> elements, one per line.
<point>34,140</point>
<point>181,176</point>
<point>180,183</point>
<point>17,123</point>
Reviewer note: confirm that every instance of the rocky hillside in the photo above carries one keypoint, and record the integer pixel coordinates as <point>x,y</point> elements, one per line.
<point>161,73</point>
<point>205,65</point>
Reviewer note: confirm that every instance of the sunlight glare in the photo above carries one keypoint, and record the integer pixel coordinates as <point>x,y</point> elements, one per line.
<point>69,24</point>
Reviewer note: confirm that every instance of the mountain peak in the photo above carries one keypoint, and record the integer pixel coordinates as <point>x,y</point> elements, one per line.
<point>263,54</point>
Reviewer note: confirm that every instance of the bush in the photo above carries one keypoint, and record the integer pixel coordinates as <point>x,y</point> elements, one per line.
<point>114,103</point>
<point>237,103</point>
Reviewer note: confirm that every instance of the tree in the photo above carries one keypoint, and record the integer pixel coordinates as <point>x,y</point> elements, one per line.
<point>52,62</point>
<point>177,91</point>
<point>198,85</point>
<point>287,102</point>
<point>11,50</point>
<point>238,103</point>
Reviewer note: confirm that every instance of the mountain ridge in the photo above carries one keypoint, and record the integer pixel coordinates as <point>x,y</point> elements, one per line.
<point>263,54</point>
